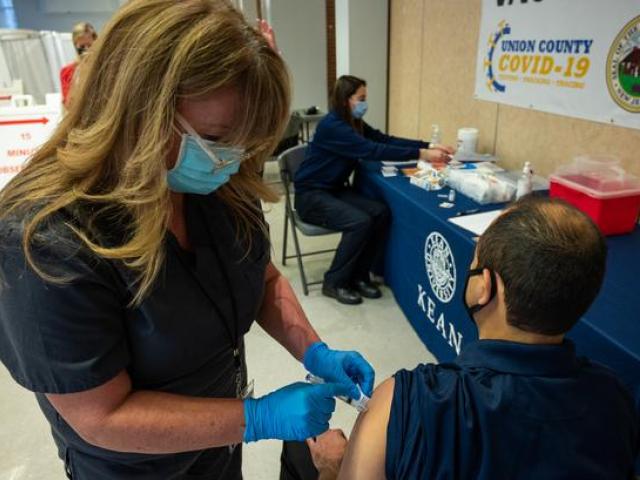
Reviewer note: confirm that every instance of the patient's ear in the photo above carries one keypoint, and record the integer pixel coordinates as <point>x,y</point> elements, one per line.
<point>485,287</point>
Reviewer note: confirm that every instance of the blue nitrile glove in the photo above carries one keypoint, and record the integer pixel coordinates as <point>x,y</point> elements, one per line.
<point>337,366</point>
<point>295,412</point>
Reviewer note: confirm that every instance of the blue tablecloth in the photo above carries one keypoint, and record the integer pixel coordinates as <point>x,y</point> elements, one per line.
<point>427,258</point>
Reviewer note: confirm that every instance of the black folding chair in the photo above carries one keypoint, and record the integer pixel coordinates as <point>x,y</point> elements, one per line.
<point>290,138</point>
<point>289,161</point>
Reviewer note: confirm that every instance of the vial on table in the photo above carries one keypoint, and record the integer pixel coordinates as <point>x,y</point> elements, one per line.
<point>524,186</point>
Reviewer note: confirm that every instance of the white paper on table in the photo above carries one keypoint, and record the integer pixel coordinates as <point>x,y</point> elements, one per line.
<point>476,223</point>
<point>398,163</point>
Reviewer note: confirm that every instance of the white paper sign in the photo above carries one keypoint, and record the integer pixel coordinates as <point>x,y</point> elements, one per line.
<point>579,58</point>
<point>22,131</point>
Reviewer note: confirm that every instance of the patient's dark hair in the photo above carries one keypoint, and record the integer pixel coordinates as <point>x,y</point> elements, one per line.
<point>551,258</point>
<point>344,88</point>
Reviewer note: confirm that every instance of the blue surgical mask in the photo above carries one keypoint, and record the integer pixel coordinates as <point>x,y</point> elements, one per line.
<point>202,166</point>
<point>360,109</point>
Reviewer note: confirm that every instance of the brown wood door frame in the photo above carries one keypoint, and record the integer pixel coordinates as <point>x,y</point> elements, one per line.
<point>330,8</point>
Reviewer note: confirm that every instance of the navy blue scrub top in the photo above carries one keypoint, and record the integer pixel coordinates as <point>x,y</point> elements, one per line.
<point>69,338</point>
<point>504,410</point>
<point>336,149</point>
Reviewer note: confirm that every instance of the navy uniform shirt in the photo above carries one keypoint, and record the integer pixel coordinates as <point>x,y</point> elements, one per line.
<point>336,147</point>
<point>73,337</point>
<point>505,410</point>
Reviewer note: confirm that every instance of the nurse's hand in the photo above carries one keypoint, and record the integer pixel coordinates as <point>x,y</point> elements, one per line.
<point>445,148</point>
<point>267,32</point>
<point>295,412</point>
<point>337,366</point>
<point>433,155</point>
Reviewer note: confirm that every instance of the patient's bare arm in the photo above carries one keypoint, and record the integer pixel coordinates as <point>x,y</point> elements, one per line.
<point>366,451</point>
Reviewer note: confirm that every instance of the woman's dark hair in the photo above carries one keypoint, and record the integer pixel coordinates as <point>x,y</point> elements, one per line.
<point>344,88</point>
<point>551,258</point>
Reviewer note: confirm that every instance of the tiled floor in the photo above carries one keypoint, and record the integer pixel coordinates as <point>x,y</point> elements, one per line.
<point>377,329</point>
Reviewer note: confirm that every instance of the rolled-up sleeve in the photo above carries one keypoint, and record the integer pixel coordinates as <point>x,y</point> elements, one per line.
<point>60,338</point>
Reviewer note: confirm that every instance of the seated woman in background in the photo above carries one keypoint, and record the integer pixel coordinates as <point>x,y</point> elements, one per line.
<point>322,198</point>
<point>83,36</point>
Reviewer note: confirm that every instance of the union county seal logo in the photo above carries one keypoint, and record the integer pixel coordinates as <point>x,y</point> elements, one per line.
<point>623,67</point>
<point>492,83</point>
<point>441,267</point>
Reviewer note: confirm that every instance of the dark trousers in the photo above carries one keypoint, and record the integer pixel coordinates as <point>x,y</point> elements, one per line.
<point>363,223</point>
<point>296,463</point>
<point>213,464</point>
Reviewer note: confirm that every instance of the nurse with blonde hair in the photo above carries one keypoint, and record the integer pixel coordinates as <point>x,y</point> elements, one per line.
<point>134,255</point>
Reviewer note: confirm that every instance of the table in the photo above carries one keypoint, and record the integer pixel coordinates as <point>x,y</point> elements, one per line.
<point>427,258</point>
<point>308,119</point>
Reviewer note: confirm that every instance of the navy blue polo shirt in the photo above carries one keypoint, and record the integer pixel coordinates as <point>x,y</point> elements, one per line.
<point>336,147</point>
<point>504,410</point>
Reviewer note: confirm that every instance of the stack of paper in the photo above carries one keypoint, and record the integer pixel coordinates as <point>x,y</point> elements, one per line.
<point>477,223</point>
<point>389,171</point>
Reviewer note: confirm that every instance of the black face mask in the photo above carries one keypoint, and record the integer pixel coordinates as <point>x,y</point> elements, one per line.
<point>81,50</point>
<point>473,309</point>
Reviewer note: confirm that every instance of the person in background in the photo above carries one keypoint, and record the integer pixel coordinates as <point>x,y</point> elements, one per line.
<point>82,36</point>
<point>517,403</point>
<point>323,198</point>
<point>135,256</point>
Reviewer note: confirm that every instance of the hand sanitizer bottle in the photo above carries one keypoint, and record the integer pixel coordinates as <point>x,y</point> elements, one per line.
<point>436,135</point>
<point>525,182</point>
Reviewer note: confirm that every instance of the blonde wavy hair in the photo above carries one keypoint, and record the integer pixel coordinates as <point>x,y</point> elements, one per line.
<point>110,149</point>
<point>82,28</point>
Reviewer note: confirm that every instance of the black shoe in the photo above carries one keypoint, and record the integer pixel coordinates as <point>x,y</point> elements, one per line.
<point>367,290</point>
<point>342,295</point>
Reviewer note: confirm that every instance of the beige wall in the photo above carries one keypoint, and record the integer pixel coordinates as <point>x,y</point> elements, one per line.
<point>433,48</point>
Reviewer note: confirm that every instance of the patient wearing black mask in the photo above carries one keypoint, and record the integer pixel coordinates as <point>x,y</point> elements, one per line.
<point>517,403</point>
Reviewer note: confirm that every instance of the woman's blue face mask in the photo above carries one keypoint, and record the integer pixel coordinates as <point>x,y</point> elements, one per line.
<point>202,166</point>
<point>359,109</point>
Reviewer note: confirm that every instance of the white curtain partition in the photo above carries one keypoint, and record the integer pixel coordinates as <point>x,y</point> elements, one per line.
<point>6,80</point>
<point>52,53</point>
<point>36,58</point>
<point>59,50</point>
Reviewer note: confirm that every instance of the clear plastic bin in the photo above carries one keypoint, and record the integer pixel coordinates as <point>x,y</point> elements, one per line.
<point>602,189</point>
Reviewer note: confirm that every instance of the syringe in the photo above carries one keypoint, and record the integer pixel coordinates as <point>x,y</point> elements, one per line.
<point>360,404</point>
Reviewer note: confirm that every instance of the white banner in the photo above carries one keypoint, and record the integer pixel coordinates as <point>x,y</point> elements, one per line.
<point>579,58</point>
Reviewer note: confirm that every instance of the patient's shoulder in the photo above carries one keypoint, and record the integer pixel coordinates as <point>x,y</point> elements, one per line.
<point>366,452</point>
<point>382,395</point>
<point>427,378</point>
